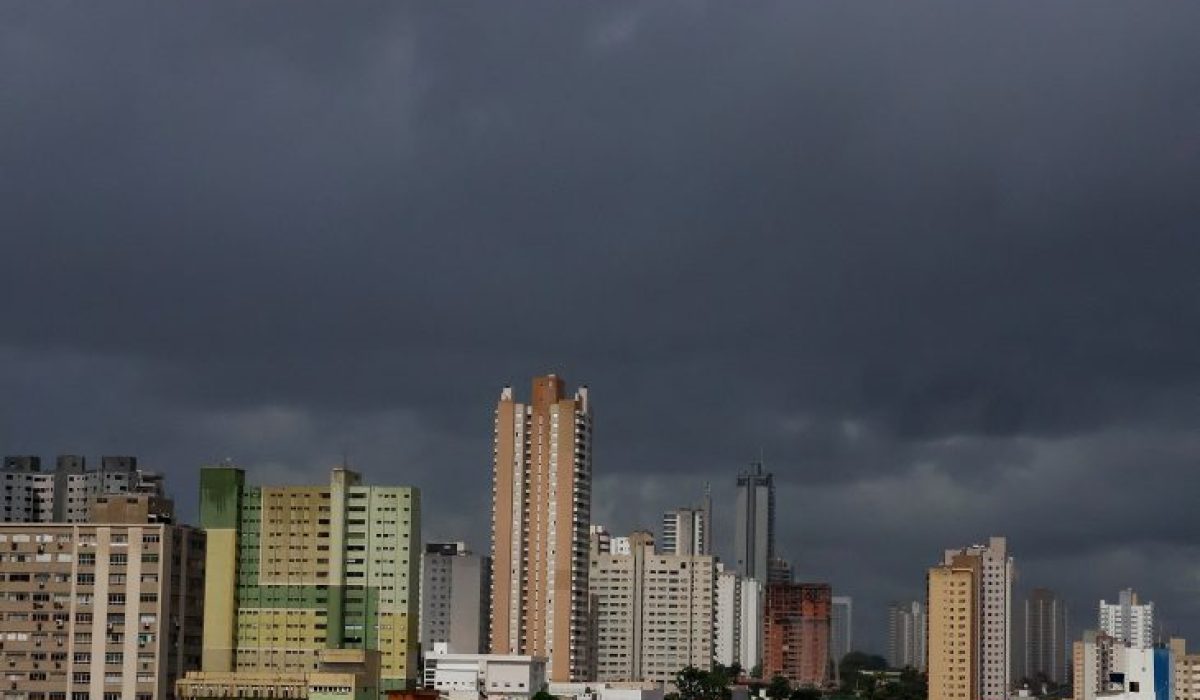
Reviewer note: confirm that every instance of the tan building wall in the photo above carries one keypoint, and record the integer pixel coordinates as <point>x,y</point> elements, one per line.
<point>540,514</point>
<point>106,610</point>
<point>952,645</point>
<point>1187,671</point>
<point>653,613</point>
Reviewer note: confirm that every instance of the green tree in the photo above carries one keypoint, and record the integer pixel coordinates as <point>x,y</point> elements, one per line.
<point>543,694</point>
<point>806,693</point>
<point>695,684</point>
<point>779,688</point>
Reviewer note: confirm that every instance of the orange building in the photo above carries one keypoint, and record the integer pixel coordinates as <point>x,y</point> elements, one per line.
<point>541,510</point>
<point>796,628</point>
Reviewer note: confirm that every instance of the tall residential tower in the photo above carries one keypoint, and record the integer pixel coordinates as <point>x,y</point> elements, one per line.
<point>541,510</point>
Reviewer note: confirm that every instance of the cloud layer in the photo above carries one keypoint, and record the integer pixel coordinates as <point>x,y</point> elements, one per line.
<point>938,263</point>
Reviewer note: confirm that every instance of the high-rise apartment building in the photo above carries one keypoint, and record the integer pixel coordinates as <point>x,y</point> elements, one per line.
<point>754,523</point>
<point>994,622</point>
<point>906,635</point>
<point>796,631</point>
<point>1186,681</point>
<point>455,592</point>
<point>1094,658</point>
<point>653,612</point>
<point>738,622</point>
<point>953,605</point>
<point>1044,645</point>
<point>841,628</point>
<point>296,573</point>
<point>1128,621</point>
<point>686,531</point>
<point>541,509</point>
<point>109,609</point>
<point>65,494</point>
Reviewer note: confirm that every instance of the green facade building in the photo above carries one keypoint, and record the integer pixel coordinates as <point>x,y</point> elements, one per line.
<point>297,570</point>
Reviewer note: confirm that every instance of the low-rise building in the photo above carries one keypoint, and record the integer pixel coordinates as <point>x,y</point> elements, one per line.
<point>341,674</point>
<point>494,676</point>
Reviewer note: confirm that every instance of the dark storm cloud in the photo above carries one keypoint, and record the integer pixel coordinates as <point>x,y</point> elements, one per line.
<point>937,261</point>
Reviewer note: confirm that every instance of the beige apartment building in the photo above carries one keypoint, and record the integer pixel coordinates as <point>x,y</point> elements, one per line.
<point>652,613</point>
<point>1186,684</point>
<point>106,610</point>
<point>953,641</point>
<point>541,508</point>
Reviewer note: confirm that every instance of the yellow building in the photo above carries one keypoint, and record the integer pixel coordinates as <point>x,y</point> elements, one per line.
<point>953,606</point>
<point>295,571</point>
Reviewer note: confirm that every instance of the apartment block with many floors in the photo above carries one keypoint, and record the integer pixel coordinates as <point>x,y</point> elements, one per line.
<point>797,631</point>
<point>28,494</point>
<point>652,612</point>
<point>106,610</point>
<point>953,608</point>
<point>541,512</point>
<point>994,622</point>
<point>299,572</point>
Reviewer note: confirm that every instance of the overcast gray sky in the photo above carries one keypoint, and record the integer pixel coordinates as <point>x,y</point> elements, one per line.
<point>938,261</point>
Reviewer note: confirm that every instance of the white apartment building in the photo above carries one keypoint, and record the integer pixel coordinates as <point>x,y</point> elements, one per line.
<point>652,613</point>
<point>995,618</point>
<point>841,628</point>
<point>1128,621</point>
<point>737,629</point>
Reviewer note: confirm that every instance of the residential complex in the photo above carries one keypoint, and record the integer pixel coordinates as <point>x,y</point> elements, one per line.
<point>841,628</point>
<point>953,642</point>
<point>1128,621</point>
<point>994,582</point>
<point>64,494</point>
<point>737,630</point>
<point>754,522</point>
<point>1187,671</point>
<point>109,609</point>
<point>1094,658</point>
<point>906,635</point>
<point>541,510</point>
<point>1044,645</point>
<point>796,632</point>
<point>299,577</point>
<point>687,531</point>
<point>455,591</point>
<point>652,612</point>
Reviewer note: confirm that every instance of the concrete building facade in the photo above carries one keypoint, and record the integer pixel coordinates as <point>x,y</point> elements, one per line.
<point>455,593</point>
<point>906,635</point>
<point>652,613</point>
<point>995,579</point>
<point>541,512</point>
<point>1187,671</point>
<point>1044,642</point>
<point>296,570</point>
<point>109,609</point>
<point>491,676</point>
<point>754,523</point>
<point>841,628</point>
<point>686,531</point>
<point>737,629</point>
<point>65,494</point>
<point>953,639</point>
<point>1129,621</point>
<point>1093,659</point>
<point>796,622</point>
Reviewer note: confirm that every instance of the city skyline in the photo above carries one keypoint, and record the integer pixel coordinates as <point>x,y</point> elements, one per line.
<point>937,265</point>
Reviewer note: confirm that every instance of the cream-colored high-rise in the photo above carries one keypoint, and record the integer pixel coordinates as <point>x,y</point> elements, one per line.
<point>541,508</point>
<point>953,642</point>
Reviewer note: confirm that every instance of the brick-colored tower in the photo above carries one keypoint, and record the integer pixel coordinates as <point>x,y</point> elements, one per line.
<point>796,626</point>
<point>541,509</point>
